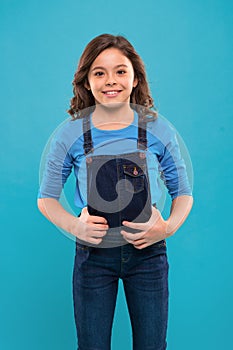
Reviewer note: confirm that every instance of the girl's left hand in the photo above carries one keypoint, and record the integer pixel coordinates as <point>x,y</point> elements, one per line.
<point>152,231</point>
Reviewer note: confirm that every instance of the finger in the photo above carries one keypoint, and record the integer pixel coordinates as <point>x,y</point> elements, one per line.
<point>136,225</point>
<point>84,210</point>
<point>92,231</point>
<point>155,214</point>
<point>97,219</point>
<point>142,246</point>
<point>98,234</point>
<point>139,242</point>
<point>132,236</point>
<point>99,227</point>
<point>156,210</point>
<point>129,241</point>
<point>94,240</point>
<point>135,244</point>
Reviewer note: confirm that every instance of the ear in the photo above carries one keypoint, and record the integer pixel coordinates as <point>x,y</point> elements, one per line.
<point>135,82</point>
<point>86,85</point>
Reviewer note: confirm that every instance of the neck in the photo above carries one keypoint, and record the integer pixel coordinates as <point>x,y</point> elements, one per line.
<point>112,116</point>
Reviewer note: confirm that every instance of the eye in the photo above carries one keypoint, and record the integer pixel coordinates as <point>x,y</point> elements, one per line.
<point>98,74</point>
<point>121,72</point>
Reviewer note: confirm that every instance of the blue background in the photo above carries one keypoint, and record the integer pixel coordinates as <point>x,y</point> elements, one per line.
<point>187,50</point>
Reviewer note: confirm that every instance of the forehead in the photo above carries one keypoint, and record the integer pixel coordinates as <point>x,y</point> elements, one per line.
<point>110,58</point>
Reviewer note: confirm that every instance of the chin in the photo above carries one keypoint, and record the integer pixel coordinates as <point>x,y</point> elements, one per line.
<point>113,104</point>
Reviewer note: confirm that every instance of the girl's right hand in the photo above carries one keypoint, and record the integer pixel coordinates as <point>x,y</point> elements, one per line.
<point>89,228</point>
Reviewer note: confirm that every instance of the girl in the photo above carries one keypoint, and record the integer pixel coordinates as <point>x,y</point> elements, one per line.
<point>117,146</point>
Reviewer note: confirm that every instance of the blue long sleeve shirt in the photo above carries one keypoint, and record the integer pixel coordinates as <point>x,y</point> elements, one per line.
<point>66,153</point>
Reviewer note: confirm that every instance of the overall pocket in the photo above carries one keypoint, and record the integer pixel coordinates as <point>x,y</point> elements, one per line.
<point>135,176</point>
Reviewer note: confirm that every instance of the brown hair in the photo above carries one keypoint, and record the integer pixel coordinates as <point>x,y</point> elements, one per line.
<point>140,98</point>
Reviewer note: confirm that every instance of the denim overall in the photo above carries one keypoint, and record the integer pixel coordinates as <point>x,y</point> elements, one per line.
<point>118,185</point>
<point>96,274</point>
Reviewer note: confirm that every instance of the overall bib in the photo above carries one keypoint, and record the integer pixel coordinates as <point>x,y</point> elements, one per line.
<point>118,186</point>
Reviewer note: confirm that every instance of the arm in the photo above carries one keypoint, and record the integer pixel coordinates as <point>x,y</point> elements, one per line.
<point>180,209</point>
<point>175,177</point>
<point>58,167</point>
<point>88,228</point>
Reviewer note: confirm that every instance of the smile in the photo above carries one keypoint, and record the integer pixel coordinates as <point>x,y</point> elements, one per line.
<point>112,93</point>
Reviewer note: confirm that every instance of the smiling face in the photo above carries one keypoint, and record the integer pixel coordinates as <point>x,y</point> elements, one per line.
<point>111,77</point>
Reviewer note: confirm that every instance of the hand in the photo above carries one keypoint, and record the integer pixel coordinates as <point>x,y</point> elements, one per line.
<point>152,231</point>
<point>89,228</point>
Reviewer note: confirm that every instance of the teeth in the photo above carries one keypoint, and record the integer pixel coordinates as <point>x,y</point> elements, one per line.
<point>111,92</point>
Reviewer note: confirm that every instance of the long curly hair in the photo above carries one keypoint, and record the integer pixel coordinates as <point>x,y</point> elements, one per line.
<point>83,99</point>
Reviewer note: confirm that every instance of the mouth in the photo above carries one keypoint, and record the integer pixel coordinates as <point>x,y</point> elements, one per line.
<point>111,93</point>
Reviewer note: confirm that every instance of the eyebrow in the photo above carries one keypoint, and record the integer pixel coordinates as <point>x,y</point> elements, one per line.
<point>119,65</point>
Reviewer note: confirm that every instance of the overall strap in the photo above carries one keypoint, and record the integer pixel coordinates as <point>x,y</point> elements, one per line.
<point>88,143</point>
<point>142,134</point>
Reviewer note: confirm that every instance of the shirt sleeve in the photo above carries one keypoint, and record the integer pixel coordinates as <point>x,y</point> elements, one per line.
<point>57,168</point>
<point>172,166</point>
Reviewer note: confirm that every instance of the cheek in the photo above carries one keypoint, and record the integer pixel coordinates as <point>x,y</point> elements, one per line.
<point>95,85</point>
<point>130,81</point>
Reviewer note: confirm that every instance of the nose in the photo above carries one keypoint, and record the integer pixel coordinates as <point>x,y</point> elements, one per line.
<point>110,81</point>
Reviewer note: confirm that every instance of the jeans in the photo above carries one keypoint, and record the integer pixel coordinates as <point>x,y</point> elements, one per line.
<point>95,283</point>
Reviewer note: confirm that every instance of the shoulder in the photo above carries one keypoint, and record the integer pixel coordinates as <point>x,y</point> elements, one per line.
<point>162,129</point>
<point>68,132</point>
